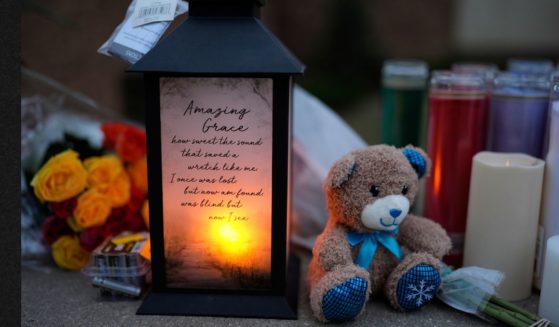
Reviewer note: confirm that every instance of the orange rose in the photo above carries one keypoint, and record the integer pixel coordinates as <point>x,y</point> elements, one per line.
<point>68,254</point>
<point>111,132</point>
<point>138,171</point>
<point>61,178</point>
<point>145,212</point>
<point>102,171</point>
<point>92,209</point>
<point>119,191</point>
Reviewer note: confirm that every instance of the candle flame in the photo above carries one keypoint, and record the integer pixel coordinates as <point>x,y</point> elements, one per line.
<point>437,176</point>
<point>437,167</point>
<point>228,234</point>
<point>235,243</point>
<point>231,240</point>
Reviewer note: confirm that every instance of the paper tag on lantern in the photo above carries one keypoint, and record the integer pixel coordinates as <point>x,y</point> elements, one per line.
<point>149,11</point>
<point>130,41</point>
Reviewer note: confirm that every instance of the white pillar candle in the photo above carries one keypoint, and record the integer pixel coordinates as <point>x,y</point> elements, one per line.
<point>503,210</point>
<point>549,308</point>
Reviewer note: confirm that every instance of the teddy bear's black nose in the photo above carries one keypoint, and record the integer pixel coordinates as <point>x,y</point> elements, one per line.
<point>395,212</point>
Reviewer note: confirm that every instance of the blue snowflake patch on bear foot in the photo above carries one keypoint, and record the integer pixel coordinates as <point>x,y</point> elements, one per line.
<point>417,287</point>
<point>345,301</point>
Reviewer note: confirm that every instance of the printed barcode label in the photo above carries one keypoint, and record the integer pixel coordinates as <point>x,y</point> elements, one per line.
<point>149,11</point>
<point>154,11</point>
<point>130,42</point>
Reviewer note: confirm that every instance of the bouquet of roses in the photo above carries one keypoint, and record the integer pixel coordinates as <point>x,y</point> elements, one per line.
<point>92,194</point>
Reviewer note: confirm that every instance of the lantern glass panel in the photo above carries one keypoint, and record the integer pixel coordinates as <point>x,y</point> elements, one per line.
<point>216,160</point>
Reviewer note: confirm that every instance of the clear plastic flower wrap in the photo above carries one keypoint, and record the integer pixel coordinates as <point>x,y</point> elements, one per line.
<point>473,290</point>
<point>469,289</point>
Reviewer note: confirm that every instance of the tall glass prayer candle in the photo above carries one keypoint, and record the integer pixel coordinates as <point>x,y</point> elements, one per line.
<point>404,84</point>
<point>549,218</point>
<point>553,76</point>
<point>518,115</point>
<point>530,66</point>
<point>486,70</point>
<point>457,131</point>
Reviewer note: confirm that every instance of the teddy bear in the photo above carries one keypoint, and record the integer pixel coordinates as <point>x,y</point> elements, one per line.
<point>372,245</point>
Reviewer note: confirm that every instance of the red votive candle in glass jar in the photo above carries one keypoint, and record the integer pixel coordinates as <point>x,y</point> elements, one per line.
<point>487,70</point>
<point>457,129</point>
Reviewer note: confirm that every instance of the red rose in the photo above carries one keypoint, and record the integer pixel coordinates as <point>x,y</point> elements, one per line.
<point>63,209</point>
<point>112,131</point>
<point>131,144</point>
<point>133,222</point>
<point>114,223</point>
<point>92,237</point>
<point>112,228</point>
<point>137,198</point>
<point>117,213</point>
<point>124,218</point>
<point>53,228</point>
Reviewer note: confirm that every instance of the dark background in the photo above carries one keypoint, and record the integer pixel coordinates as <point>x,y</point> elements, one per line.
<point>342,43</point>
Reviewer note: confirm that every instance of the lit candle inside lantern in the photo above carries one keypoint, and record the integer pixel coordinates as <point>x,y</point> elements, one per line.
<point>503,210</point>
<point>550,286</point>
<point>236,243</point>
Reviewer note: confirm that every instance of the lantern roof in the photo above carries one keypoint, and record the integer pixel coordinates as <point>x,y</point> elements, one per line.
<point>221,37</point>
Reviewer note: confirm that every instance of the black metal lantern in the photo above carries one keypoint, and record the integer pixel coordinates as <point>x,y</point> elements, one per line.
<point>218,93</point>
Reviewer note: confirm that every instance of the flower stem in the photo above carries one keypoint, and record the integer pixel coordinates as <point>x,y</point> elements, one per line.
<point>504,316</point>
<point>513,307</point>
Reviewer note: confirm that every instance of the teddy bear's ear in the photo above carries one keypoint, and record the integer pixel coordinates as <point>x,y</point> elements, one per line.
<point>418,160</point>
<point>341,171</point>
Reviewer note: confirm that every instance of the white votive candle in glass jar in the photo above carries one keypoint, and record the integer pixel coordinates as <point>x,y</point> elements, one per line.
<point>503,210</point>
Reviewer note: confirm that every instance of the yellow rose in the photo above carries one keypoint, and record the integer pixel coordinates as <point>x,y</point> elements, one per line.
<point>145,212</point>
<point>61,178</point>
<point>102,171</point>
<point>68,254</point>
<point>107,175</point>
<point>119,190</point>
<point>93,209</point>
<point>138,171</point>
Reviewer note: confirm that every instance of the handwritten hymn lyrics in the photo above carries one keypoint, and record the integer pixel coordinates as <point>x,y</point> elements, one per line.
<point>216,144</point>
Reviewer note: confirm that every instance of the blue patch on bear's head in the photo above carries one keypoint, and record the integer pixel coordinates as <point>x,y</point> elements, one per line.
<point>416,160</point>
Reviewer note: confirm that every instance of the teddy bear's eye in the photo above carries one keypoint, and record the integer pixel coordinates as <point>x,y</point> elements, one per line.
<point>375,190</point>
<point>405,190</point>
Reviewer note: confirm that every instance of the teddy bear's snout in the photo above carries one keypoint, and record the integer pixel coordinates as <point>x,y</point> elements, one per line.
<point>386,213</point>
